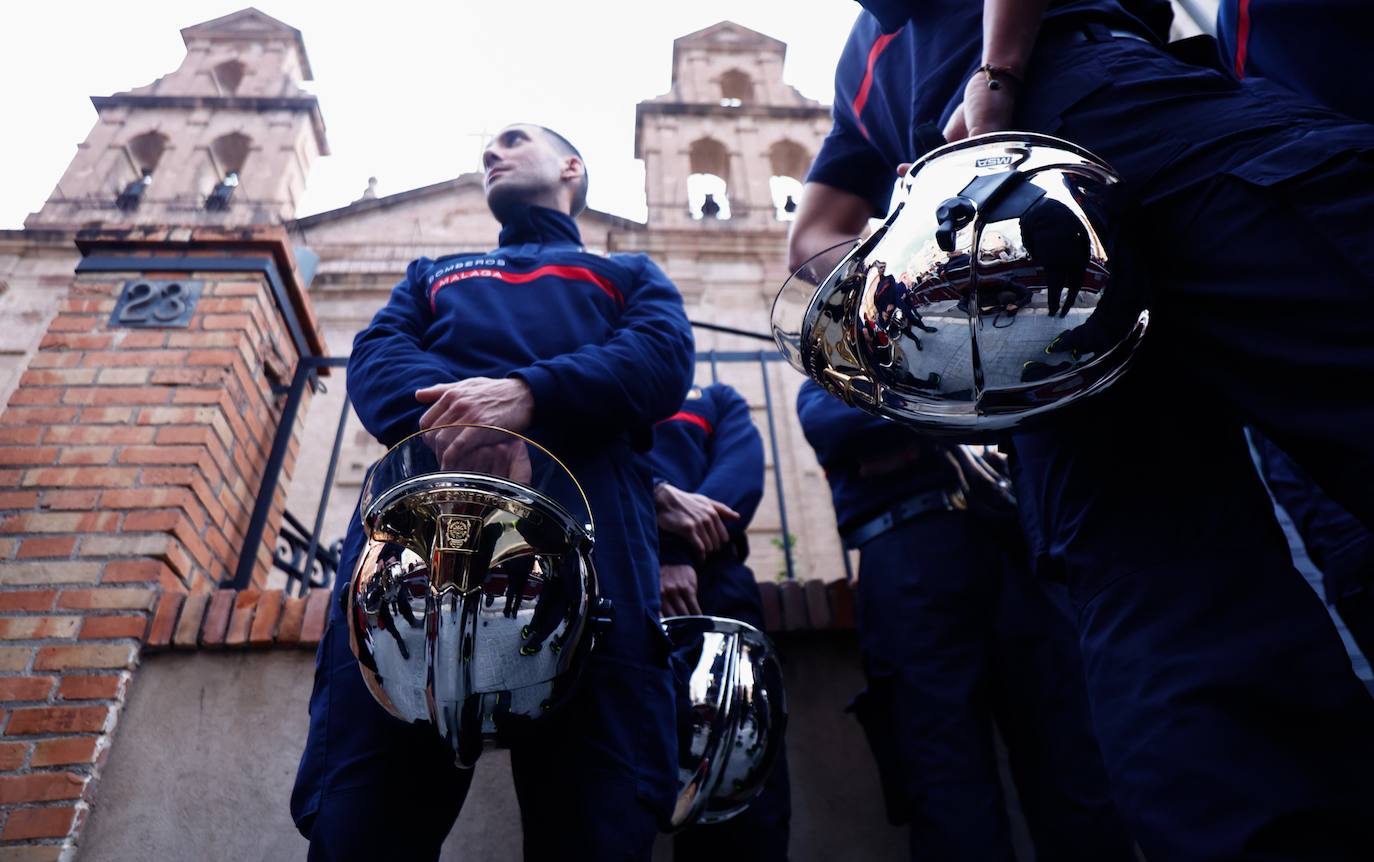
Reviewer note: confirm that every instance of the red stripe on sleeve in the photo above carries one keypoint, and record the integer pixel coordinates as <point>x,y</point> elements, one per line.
<point>1242,36</point>
<point>861,97</point>
<point>684,416</point>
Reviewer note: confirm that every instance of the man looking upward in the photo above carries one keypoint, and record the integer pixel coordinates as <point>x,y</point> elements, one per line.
<point>608,353</point>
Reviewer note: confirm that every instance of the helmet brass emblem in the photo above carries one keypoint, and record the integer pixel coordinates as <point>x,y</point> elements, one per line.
<point>456,533</point>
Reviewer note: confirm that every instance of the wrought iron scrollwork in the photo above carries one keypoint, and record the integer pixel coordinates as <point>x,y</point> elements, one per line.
<point>289,555</point>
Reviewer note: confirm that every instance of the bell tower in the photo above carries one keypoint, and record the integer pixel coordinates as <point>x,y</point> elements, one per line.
<point>730,141</point>
<point>226,139</point>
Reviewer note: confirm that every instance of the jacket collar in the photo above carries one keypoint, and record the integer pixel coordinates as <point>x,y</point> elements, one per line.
<point>541,226</point>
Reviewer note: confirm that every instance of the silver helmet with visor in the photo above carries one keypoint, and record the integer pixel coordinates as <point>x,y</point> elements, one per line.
<point>475,604</point>
<point>475,599</point>
<point>994,292</point>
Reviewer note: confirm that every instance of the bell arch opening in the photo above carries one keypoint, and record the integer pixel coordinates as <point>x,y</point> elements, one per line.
<point>788,163</point>
<point>131,182</point>
<point>146,150</point>
<point>229,75</point>
<point>708,190</point>
<point>736,88</point>
<point>230,152</point>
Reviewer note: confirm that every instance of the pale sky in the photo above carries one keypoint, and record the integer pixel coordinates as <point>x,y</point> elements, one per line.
<point>407,89</point>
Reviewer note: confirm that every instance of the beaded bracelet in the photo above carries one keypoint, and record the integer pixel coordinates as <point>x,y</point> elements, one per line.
<point>994,72</point>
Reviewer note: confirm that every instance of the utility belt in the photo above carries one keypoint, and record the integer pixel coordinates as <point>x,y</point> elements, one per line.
<point>1200,50</point>
<point>903,512</point>
<point>1090,31</point>
<point>1100,33</point>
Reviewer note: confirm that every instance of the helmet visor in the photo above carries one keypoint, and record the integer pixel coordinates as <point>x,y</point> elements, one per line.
<point>465,455</point>
<point>800,302</point>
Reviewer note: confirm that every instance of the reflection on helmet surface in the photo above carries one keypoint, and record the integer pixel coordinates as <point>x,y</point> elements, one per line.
<point>472,605</point>
<point>988,296</point>
<point>733,718</point>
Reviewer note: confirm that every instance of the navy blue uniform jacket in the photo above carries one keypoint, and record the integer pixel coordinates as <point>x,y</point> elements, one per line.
<point>1316,48</point>
<point>1196,128</point>
<point>871,116</point>
<point>872,123</point>
<point>1338,543</point>
<point>947,36</point>
<point>897,83</point>
<point>606,349</point>
<point>710,447</point>
<point>603,342</point>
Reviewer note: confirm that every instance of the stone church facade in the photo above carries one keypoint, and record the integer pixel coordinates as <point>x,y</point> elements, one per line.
<point>141,681</point>
<point>235,112</point>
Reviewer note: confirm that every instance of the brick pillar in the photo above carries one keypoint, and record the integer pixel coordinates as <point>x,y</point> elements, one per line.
<point>130,461</point>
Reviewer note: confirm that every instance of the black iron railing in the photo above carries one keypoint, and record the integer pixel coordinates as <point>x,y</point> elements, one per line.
<point>302,567</point>
<point>310,559</point>
<point>762,357</point>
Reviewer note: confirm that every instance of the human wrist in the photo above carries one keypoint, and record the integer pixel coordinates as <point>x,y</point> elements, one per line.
<point>523,394</point>
<point>521,404</point>
<point>536,391</point>
<point>998,76</point>
<point>1015,58</point>
<point>1010,30</point>
<point>662,491</point>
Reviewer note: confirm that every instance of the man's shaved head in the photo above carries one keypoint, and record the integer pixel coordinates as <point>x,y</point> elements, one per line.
<point>565,147</point>
<point>528,164</point>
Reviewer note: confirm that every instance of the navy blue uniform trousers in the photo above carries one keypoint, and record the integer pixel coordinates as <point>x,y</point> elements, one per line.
<point>1231,724</point>
<point>1229,719</point>
<point>1338,544</point>
<point>727,588</point>
<point>955,632</point>
<point>593,783</point>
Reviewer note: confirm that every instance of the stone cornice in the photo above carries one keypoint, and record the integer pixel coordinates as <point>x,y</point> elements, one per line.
<point>256,104</point>
<point>706,109</point>
<point>814,111</point>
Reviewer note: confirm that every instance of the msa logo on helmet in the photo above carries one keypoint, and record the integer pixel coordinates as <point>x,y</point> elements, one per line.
<point>993,162</point>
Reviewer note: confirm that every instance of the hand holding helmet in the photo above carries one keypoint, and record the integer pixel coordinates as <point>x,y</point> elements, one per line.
<point>475,604</point>
<point>985,108</point>
<point>1005,251</point>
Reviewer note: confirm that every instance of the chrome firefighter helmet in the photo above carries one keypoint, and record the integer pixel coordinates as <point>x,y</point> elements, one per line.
<point>993,293</point>
<point>474,601</point>
<point>731,716</point>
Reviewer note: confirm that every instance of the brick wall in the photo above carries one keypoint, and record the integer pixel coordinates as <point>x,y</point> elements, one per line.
<point>130,461</point>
